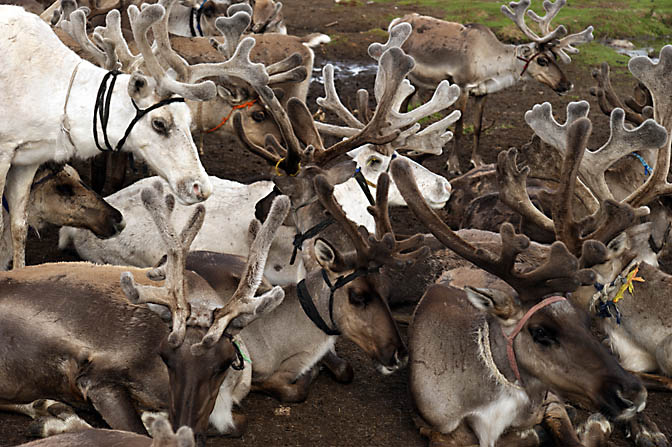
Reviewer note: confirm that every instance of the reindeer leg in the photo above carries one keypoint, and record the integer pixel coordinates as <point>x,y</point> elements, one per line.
<point>454,153</point>
<point>6,155</point>
<point>116,407</point>
<point>476,159</point>
<point>557,423</point>
<point>644,432</point>
<point>282,386</point>
<point>595,431</point>
<point>340,369</point>
<point>462,436</point>
<point>51,417</point>
<point>17,191</point>
<point>655,382</point>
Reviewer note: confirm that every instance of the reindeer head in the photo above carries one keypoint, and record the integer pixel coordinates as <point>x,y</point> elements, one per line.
<point>59,197</point>
<point>538,58</point>
<point>199,351</point>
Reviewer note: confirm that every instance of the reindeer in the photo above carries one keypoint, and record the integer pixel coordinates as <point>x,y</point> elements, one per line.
<point>58,197</point>
<point>472,57</point>
<point>339,296</point>
<point>541,331</point>
<point>129,361</point>
<point>163,436</point>
<point>162,138</point>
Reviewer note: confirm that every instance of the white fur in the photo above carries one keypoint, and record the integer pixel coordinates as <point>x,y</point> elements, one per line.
<point>490,421</point>
<point>228,214</point>
<point>632,356</point>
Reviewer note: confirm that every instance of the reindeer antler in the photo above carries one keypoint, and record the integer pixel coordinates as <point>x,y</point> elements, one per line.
<point>243,300</point>
<point>559,274</point>
<point>516,12</point>
<point>172,293</point>
<point>636,112</point>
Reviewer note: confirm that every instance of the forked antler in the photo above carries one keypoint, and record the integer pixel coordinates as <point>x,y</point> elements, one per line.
<point>172,293</point>
<point>243,300</point>
<point>559,274</point>
<point>639,106</point>
<point>549,39</point>
<point>622,142</point>
<point>102,52</point>
<point>376,250</point>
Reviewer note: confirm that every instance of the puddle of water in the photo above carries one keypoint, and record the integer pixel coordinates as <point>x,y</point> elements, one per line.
<point>637,52</point>
<point>343,70</point>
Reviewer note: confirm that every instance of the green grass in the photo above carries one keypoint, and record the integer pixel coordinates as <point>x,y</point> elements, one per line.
<point>611,18</point>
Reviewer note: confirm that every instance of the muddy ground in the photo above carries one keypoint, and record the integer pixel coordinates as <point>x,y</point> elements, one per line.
<point>375,410</point>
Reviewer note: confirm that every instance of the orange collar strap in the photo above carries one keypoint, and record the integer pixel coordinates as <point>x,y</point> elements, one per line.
<point>226,118</point>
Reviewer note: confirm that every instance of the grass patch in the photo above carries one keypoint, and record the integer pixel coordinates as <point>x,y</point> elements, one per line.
<point>595,53</point>
<point>611,19</point>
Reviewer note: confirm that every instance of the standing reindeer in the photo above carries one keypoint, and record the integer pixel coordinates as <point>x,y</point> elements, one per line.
<point>472,57</point>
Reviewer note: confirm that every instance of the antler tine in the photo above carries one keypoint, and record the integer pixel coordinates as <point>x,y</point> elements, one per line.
<point>656,79</point>
<point>517,15</point>
<point>359,236</point>
<point>140,25</point>
<point>303,124</point>
<point>164,48</point>
<point>541,120</point>
<point>112,34</point>
<point>332,102</point>
<point>564,45</point>
<point>290,62</point>
<point>559,273</point>
<point>396,38</point>
<point>607,98</point>
<point>232,28</point>
<point>239,7</point>
<point>270,157</point>
<point>429,140</point>
<point>444,96</point>
<point>296,74</point>
<point>243,300</point>
<point>380,211</point>
<point>648,136</point>
<point>512,183</point>
<point>552,9</point>
<point>238,66</point>
<point>75,26</point>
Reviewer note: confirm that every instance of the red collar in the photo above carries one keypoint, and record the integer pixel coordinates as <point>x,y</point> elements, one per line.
<point>509,338</point>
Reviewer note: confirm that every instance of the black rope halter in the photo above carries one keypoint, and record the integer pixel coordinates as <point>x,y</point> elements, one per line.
<point>102,111</point>
<point>308,305</point>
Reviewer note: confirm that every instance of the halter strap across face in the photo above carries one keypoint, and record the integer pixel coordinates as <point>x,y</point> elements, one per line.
<point>510,338</point>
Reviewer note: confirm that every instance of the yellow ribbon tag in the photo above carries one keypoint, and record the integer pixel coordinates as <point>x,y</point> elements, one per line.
<point>632,276</point>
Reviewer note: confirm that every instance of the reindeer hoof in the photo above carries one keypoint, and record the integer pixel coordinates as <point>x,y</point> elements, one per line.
<point>645,432</point>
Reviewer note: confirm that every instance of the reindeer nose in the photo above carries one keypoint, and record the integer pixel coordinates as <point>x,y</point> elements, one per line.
<point>199,191</point>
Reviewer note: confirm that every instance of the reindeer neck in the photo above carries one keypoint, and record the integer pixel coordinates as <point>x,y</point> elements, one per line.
<point>498,72</point>
<point>81,105</point>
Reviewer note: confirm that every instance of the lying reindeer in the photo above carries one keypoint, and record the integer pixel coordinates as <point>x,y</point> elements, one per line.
<point>88,345</point>
<point>162,432</point>
<point>58,197</point>
<point>503,384</point>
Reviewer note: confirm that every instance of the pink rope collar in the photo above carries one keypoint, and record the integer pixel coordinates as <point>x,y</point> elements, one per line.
<point>509,338</point>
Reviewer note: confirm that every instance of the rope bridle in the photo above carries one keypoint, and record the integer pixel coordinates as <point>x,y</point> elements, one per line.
<point>101,111</point>
<point>511,337</point>
<point>528,61</point>
<point>233,109</point>
<point>308,305</point>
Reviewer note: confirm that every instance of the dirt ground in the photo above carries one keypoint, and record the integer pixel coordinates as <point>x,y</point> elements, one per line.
<point>375,410</point>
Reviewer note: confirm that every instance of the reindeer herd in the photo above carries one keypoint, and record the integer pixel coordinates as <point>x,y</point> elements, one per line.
<point>196,290</point>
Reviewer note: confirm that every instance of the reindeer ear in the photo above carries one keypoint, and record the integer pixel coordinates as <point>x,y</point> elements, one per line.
<point>138,87</point>
<point>493,301</point>
<point>325,253</point>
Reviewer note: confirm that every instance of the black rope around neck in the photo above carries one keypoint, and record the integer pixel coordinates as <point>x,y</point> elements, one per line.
<point>195,17</point>
<point>101,111</point>
<point>308,305</point>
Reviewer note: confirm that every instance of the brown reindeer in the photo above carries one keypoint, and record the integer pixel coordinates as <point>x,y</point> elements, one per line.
<point>472,57</point>
<point>92,343</point>
<point>503,384</point>
<point>58,197</point>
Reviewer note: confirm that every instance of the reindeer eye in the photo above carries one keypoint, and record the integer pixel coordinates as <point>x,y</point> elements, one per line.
<point>542,61</point>
<point>542,336</point>
<point>355,298</point>
<point>160,126</point>
<point>374,162</point>
<point>258,116</point>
